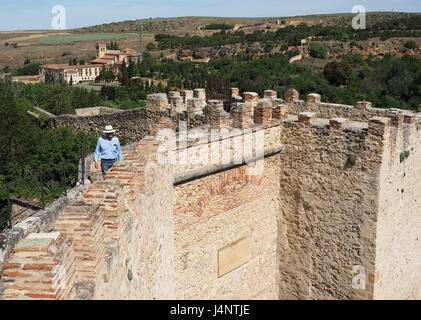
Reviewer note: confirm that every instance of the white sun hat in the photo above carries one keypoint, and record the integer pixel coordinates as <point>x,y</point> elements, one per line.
<point>108,129</point>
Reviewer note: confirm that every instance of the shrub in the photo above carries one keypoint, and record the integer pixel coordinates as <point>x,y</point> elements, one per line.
<point>337,73</point>
<point>151,46</point>
<point>402,157</point>
<point>219,26</point>
<point>411,44</point>
<point>354,58</point>
<point>30,69</point>
<point>352,159</point>
<point>318,51</point>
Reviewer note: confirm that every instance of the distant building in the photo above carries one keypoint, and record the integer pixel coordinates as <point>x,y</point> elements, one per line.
<point>68,73</point>
<point>111,59</point>
<point>114,58</point>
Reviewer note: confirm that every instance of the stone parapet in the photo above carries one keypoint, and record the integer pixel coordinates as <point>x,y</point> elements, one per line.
<point>157,101</point>
<point>314,98</point>
<point>83,224</point>
<point>110,197</point>
<point>307,118</point>
<point>42,266</point>
<point>378,126</point>
<point>218,118</point>
<point>263,111</point>
<point>241,116</point>
<point>280,112</point>
<point>291,95</point>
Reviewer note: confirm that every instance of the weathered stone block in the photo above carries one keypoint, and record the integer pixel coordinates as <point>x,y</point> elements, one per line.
<point>235,92</point>
<point>280,112</point>
<point>41,267</point>
<point>177,104</point>
<point>291,95</point>
<point>270,94</point>
<point>409,117</point>
<point>241,116</point>
<point>314,98</point>
<point>186,95</point>
<point>378,125</point>
<point>219,119</point>
<point>157,101</point>
<point>174,94</point>
<point>263,111</point>
<point>195,105</point>
<point>251,97</point>
<point>110,197</point>
<point>83,223</point>
<point>363,105</point>
<point>307,117</point>
<point>215,104</point>
<point>199,94</point>
<point>396,118</point>
<point>337,123</point>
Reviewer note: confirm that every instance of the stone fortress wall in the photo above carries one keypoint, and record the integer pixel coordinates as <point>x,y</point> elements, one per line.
<point>135,124</point>
<point>338,190</point>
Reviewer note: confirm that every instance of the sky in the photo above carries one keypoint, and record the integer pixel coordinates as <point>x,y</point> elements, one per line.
<point>37,14</point>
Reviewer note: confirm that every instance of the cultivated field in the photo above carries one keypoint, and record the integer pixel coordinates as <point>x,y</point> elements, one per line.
<point>69,38</point>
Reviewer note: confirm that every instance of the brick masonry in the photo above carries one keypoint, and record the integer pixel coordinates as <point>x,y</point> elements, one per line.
<point>338,191</point>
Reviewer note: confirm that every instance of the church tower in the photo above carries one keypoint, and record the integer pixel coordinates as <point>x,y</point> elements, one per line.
<point>100,50</point>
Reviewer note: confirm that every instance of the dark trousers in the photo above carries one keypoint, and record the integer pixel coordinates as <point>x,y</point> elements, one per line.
<point>106,164</point>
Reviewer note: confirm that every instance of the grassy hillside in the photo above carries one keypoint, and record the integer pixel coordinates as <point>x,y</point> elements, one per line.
<point>192,25</point>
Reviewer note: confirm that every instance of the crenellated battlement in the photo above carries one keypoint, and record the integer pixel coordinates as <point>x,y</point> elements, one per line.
<point>249,197</point>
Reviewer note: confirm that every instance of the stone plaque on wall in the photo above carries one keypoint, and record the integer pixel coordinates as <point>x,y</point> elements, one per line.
<point>234,255</point>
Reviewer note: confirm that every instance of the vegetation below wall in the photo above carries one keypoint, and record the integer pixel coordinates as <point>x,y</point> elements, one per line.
<point>59,99</point>
<point>26,148</point>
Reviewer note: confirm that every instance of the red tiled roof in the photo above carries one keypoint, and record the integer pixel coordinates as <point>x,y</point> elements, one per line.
<point>102,61</point>
<point>67,67</point>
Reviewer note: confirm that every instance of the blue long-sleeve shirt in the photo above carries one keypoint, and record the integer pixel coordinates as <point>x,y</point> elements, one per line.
<point>108,149</point>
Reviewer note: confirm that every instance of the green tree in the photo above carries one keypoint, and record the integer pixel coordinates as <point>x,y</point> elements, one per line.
<point>411,44</point>
<point>113,46</point>
<point>132,69</point>
<point>124,71</point>
<point>151,46</point>
<point>337,73</point>
<point>318,51</point>
<point>30,69</point>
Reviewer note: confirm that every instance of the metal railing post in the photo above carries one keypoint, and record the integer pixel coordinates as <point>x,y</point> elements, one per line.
<point>64,179</point>
<point>9,211</point>
<point>42,190</point>
<point>83,158</point>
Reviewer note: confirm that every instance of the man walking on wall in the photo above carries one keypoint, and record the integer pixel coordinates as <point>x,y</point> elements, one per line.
<point>108,149</point>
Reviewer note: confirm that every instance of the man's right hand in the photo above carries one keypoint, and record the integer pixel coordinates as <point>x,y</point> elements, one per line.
<point>97,165</point>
